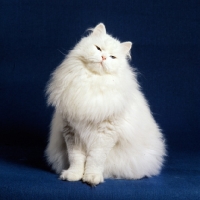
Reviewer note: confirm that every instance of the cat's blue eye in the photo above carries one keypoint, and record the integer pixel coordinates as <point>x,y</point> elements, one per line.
<point>113,57</point>
<point>98,47</point>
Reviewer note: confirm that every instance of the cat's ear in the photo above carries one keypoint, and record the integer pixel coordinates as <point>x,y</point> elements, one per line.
<point>100,29</point>
<point>126,47</point>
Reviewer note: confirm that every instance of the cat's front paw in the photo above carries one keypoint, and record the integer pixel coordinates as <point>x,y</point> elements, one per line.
<point>93,179</point>
<point>70,175</point>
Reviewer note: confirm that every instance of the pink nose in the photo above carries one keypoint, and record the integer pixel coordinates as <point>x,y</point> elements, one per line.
<point>103,57</point>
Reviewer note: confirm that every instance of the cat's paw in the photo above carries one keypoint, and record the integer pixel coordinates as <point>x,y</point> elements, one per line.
<point>70,175</point>
<point>93,179</point>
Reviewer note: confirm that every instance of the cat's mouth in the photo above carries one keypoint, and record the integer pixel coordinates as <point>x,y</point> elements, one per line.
<point>94,62</point>
<point>100,64</point>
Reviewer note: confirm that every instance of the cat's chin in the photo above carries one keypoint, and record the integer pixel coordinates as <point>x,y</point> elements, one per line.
<point>96,68</point>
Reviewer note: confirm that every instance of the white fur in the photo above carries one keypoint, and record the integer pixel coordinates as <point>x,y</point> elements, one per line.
<point>102,126</point>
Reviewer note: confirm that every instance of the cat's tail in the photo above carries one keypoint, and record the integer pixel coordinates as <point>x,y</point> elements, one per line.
<point>56,152</point>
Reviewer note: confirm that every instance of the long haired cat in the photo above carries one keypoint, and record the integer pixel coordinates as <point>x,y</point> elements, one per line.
<point>102,126</point>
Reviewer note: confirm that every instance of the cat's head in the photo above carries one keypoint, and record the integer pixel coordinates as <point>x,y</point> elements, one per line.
<point>101,53</point>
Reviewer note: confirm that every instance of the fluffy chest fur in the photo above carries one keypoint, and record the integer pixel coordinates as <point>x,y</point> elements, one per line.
<point>84,95</point>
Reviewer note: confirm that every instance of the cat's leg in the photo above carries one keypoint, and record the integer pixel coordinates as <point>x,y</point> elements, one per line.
<point>104,141</point>
<point>76,157</point>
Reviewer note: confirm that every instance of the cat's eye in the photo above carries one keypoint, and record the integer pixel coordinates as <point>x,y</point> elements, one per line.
<point>98,47</point>
<point>113,57</point>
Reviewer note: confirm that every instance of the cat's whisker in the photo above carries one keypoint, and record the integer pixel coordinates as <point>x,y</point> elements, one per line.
<point>61,52</point>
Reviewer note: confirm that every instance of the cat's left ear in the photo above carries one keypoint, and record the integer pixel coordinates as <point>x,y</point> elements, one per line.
<point>100,29</point>
<point>126,47</point>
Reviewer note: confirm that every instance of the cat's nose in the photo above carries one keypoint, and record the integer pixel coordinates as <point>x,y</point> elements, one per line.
<point>103,57</point>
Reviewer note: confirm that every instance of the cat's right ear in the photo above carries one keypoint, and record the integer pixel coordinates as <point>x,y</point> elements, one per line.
<point>100,29</point>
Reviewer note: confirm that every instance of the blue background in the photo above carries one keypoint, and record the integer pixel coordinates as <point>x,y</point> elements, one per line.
<point>34,35</point>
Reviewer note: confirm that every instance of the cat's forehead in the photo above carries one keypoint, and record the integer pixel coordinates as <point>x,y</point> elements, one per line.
<point>107,42</point>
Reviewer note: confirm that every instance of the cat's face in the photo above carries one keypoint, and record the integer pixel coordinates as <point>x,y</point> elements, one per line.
<point>101,53</point>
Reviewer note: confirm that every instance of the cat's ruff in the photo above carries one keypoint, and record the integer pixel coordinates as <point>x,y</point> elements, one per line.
<point>102,125</point>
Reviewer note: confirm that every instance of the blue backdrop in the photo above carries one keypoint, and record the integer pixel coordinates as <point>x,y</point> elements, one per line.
<point>34,35</point>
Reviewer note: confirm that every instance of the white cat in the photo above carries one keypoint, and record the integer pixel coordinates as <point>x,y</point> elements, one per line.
<point>102,126</point>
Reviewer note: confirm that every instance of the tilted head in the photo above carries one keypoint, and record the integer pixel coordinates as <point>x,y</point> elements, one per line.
<point>101,53</point>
